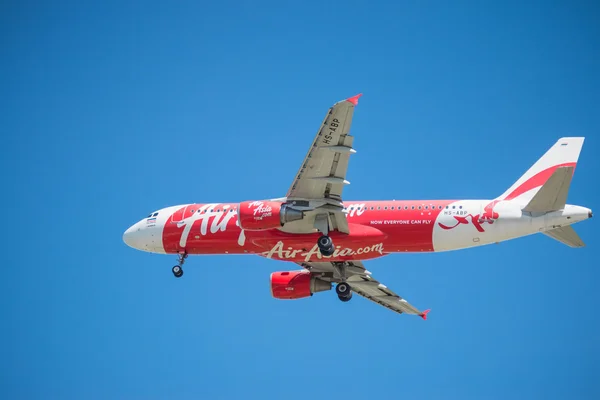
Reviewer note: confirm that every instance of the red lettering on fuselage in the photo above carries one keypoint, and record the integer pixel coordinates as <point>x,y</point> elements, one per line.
<point>487,216</point>
<point>376,228</point>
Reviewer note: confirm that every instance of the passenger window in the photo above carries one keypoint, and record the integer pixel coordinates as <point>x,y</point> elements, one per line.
<point>392,207</point>
<point>385,208</point>
<point>426,207</point>
<point>412,207</point>
<point>419,207</point>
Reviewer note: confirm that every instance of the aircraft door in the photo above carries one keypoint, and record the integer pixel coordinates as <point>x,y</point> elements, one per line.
<point>182,213</point>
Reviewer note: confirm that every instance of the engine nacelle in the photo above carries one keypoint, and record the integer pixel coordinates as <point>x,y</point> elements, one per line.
<point>291,285</point>
<point>261,215</point>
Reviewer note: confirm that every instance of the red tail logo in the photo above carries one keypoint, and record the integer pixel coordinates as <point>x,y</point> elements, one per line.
<point>488,216</point>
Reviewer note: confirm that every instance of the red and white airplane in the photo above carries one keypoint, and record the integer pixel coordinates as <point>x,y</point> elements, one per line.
<point>330,238</point>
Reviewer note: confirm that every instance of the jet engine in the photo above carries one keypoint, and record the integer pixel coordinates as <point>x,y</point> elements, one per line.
<point>290,285</point>
<point>261,215</point>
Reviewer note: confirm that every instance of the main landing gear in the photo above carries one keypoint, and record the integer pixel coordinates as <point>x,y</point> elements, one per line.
<point>344,291</point>
<point>326,246</point>
<point>324,242</point>
<point>178,270</point>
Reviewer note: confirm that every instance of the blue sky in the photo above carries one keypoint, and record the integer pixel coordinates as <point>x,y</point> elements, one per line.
<point>115,109</point>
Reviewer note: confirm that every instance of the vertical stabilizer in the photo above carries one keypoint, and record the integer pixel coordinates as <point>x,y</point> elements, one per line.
<point>552,195</point>
<point>564,153</point>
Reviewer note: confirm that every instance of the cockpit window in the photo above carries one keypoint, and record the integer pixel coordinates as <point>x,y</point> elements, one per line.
<point>155,214</point>
<point>149,216</point>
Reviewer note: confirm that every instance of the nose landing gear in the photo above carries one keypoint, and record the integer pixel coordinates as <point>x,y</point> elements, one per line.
<point>178,270</point>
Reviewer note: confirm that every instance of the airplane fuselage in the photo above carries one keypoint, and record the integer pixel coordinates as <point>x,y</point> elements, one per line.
<point>376,228</point>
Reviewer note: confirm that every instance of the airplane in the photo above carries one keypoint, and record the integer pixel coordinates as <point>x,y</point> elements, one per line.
<point>329,238</point>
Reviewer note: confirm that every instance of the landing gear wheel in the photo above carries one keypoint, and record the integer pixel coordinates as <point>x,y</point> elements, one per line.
<point>325,241</point>
<point>345,299</point>
<point>326,246</point>
<point>328,251</point>
<point>343,289</point>
<point>177,271</point>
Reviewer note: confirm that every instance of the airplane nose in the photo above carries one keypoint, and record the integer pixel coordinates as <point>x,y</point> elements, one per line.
<point>590,215</point>
<point>129,237</point>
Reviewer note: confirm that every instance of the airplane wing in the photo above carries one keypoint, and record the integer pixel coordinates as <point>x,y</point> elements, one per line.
<point>363,284</point>
<point>323,171</point>
<point>322,175</point>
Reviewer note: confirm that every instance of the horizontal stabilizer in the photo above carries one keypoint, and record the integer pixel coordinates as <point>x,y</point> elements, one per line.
<point>566,235</point>
<point>552,195</point>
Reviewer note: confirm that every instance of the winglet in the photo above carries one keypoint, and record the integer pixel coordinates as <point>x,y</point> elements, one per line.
<point>424,314</point>
<point>354,99</point>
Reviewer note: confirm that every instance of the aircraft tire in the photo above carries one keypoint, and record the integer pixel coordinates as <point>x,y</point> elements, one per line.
<point>343,290</point>
<point>345,298</point>
<point>326,246</point>
<point>327,251</point>
<point>325,242</point>
<point>177,271</point>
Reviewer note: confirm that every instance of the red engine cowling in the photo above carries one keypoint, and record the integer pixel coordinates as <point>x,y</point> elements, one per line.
<point>262,214</point>
<point>290,285</point>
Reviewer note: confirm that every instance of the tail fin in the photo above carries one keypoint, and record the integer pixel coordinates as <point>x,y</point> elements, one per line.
<point>552,195</point>
<point>564,153</point>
